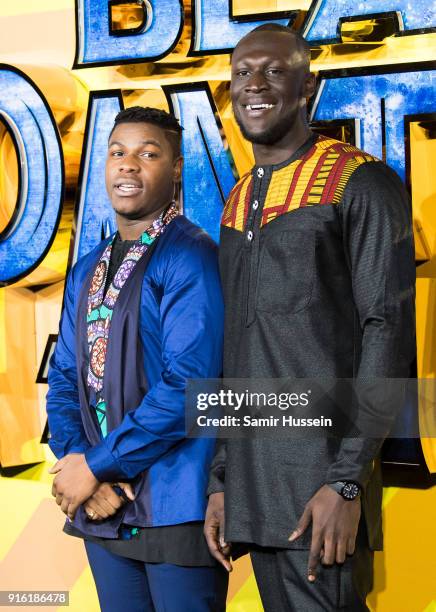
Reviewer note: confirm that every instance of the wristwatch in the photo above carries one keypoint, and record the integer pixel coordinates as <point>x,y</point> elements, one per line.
<point>348,489</point>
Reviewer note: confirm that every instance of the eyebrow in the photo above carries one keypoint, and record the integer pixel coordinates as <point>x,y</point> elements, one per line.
<point>149,141</point>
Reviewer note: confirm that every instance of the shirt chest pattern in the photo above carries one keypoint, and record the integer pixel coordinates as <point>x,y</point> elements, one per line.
<point>318,177</point>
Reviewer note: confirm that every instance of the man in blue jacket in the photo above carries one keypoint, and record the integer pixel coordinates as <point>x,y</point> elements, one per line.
<point>143,313</point>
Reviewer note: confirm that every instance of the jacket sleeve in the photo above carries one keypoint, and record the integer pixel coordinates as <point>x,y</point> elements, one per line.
<point>191,318</point>
<point>67,434</point>
<point>378,243</point>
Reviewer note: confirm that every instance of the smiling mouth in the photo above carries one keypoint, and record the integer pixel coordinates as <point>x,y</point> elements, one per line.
<point>254,111</point>
<point>127,188</point>
<point>258,107</point>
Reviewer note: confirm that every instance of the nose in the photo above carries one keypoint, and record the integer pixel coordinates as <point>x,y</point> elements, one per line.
<point>128,164</point>
<point>256,82</point>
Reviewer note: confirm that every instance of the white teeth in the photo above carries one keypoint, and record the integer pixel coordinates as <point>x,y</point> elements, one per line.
<point>258,106</point>
<point>127,186</point>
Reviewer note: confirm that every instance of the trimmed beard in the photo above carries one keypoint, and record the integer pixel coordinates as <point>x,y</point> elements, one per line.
<point>271,135</point>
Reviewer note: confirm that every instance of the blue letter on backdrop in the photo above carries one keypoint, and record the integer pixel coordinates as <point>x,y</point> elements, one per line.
<point>96,45</point>
<point>95,216</point>
<point>27,239</point>
<point>325,14</point>
<point>359,97</point>
<point>207,171</point>
<point>213,32</point>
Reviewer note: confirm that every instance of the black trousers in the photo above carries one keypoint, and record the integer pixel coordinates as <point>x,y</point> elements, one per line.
<point>281,576</point>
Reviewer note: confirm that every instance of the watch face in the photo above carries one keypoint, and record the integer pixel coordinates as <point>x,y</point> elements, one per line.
<point>350,490</point>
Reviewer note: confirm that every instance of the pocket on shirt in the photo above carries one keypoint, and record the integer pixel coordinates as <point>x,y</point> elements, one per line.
<point>286,272</point>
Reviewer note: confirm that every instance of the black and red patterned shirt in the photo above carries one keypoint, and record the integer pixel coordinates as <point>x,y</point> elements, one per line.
<point>318,271</point>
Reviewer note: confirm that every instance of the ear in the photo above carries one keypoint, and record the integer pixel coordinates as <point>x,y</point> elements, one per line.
<point>309,85</point>
<point>177,169</point>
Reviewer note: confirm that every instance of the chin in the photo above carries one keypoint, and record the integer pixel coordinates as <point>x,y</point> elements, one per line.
<point>270,134</point>
<point>263,138</point>
<point>126,213</point>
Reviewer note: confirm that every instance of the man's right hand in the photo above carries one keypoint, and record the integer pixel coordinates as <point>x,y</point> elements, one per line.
<point>214,530</point>
<point>106,502</point>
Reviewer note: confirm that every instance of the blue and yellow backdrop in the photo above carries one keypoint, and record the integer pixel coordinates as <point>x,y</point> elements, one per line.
<point>67,67</point>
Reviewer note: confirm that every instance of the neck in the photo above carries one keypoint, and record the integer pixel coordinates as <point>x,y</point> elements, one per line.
<point>284,148</point>
<point>132,229</point>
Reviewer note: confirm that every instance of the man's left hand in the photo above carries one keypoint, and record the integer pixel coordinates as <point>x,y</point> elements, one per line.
<point>335,522</point>
<point>74,482</point>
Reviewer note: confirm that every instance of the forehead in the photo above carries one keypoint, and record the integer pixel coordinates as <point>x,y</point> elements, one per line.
<point>139,132</point>
<point>268,44</point>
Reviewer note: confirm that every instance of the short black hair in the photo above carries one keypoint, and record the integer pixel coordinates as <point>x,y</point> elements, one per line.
<point>154,116</point>
<point>301,43</point>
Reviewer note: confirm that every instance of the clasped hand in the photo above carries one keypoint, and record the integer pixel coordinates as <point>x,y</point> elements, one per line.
<point>75,484</point>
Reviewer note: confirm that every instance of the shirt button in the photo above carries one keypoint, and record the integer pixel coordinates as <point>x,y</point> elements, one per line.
<point>260,172</point>
<point>255,204</point>
<point>250,236</point>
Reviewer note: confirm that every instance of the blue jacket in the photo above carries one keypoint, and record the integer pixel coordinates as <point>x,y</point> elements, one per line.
<point>181,329</point>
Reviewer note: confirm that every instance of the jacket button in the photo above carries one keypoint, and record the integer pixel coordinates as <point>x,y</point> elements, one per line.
<point>249,236</point>
<point>260,172</point>
<point>255,204</point>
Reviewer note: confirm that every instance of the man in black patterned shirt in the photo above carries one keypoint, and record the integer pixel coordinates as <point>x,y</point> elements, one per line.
<point>317,266</point>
